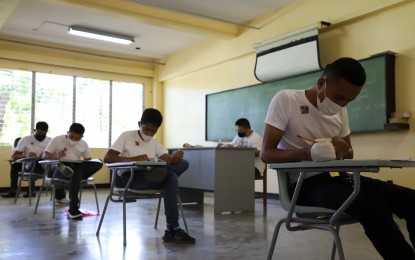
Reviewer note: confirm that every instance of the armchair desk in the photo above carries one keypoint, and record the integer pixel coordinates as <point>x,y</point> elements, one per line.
<point>354,166</point>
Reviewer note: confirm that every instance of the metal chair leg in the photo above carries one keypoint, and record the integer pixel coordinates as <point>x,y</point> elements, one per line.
<point>333,249</point>
<point>274,238</point>
<point>53,201</point>
<point>157,215</point>
<point>38,198</point>
<point>181,210</point>
<point>19,187</point>
<point>337,243</point>
<point>30,191</point>
<point>96,196</point>
<point>80,195</point>
<point>103,215</point>
<point>124,220</point>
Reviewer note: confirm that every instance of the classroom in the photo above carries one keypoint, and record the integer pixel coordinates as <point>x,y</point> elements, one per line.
<point>177,84</point>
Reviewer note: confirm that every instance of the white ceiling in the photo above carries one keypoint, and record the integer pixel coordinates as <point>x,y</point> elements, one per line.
<point>47,21</point>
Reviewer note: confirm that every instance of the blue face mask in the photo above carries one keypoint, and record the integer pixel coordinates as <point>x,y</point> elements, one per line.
<point>327,106</point>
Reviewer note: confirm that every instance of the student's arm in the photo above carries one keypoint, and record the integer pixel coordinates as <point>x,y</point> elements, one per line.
<point>271,154</point>
<point>54,156</point>
<point>17,155</point>
<point>113,156</point>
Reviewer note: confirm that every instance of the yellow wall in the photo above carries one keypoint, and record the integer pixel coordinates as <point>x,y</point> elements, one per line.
<point>102,176</point>
<point>360,28</point>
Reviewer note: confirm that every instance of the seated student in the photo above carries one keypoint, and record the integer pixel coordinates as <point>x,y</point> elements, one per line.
<point>247,138</point>
<point>139,145</point>
<point>28,146</point>
<point>325,116</point>
<point>71,146</point>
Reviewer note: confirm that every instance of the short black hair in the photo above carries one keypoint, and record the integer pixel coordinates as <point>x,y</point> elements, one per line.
<point>151,116</point>
<point>346,68</point>
<point>243,122</point>
<point>77,128</point>
<point>41,125</point>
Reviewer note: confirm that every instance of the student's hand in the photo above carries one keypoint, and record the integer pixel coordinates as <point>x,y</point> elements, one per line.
<point>224,145</point>
<point>142,157</point>
<point>32,154</point>
<point>342,148</point>
<point>176,157</point>
<point>323,151</point>
<point>61,153</point>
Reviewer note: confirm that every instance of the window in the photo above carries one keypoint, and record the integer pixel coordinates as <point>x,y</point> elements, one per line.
<point>92,110</point>
<point>105,108</point>
<point>15,104</point>
<point>53,102</point>
<point>127,107</point>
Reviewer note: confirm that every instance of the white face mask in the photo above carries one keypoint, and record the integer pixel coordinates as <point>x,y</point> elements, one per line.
<point>145,137</point>
<point>71,142</point>
<point>328,107</point>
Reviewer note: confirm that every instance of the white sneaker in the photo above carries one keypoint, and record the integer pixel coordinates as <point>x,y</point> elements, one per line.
<point>66,171</point>
<point>63,201</point>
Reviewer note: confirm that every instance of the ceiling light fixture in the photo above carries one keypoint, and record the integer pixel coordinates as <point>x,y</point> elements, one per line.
<point>100,35</point>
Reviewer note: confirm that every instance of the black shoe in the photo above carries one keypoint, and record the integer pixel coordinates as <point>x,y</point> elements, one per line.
<point>10,194</point>
<point>26,195</point>
<point>178,236</point>
<point>75,214</point>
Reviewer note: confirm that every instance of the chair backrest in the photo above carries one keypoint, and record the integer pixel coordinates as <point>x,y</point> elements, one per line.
<point>285,198</point>
<point>16,141</point>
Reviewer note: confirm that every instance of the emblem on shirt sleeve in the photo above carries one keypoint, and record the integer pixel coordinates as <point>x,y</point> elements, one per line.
<point>32,143</point>
<point>304,109</point>
<point>137,143</point>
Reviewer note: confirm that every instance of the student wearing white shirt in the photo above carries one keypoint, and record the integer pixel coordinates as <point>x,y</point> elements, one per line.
<point>28,146</point>
<point>71,146</point>
<point>319,112</point>
<point>248,138</point>
<point>139,145</point>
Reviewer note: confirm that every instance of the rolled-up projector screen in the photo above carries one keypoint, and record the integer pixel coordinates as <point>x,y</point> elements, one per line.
<point>287,56</point>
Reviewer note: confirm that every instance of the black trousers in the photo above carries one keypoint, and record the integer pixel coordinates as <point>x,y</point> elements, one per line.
<point>81,171</point>
<point>15,168</point>
<point>374,207</point>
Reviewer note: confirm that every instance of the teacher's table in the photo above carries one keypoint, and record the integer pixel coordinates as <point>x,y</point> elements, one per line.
<point>227,172</point>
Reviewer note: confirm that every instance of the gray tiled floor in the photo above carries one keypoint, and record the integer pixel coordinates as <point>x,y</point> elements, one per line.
<point>229,236</point>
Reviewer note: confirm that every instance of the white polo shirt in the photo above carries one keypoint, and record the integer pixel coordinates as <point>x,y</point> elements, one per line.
<point>73,152</point>
<point>30,144</point>
<point>291,112</point>
<point>130,144</point>
<point>254,140</point>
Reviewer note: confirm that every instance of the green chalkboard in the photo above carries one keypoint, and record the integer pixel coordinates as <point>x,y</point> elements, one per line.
<point>369,112</point>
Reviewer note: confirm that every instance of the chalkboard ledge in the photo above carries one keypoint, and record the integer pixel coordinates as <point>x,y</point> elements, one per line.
<point>396,126</point>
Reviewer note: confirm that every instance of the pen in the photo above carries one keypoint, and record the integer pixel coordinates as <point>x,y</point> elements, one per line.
<point>308,139</point>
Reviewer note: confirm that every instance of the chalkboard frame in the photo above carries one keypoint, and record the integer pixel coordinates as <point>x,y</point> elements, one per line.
<point>389,59</point>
